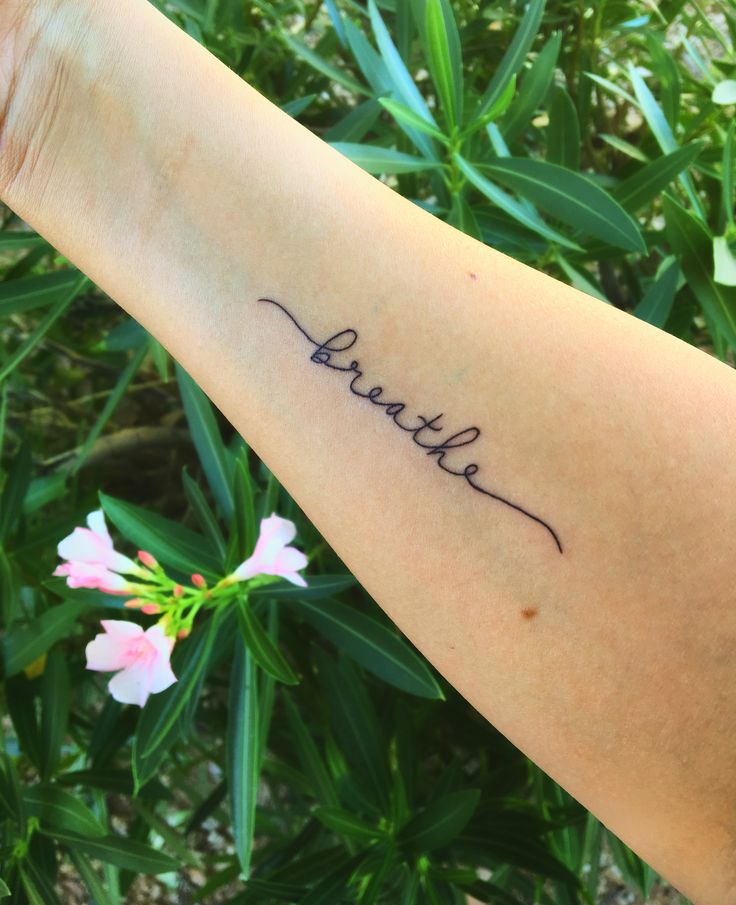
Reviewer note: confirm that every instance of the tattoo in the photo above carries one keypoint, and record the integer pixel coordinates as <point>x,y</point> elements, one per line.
<point>324,354</point>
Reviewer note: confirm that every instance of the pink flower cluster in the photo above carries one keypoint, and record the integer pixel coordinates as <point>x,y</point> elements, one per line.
<point>141,658</point>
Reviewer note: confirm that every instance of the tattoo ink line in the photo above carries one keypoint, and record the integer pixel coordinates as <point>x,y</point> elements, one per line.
<point>346,339</point>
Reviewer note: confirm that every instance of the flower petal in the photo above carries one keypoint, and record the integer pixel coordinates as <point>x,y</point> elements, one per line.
<point>162,643</point>
<point>121,628</point>
<point>289,560</point>
<point>247,569</point>
<point>294,578</point>
<point>96,522</point>
<point>83,545</point>
<point>275,533</point>
<point>131,685</point>
<point>107,654</point>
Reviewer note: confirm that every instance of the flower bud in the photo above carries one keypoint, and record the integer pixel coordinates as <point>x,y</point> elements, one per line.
<point>150,609</point>
<point>147,559</point>
<point>198,580</point>
<point>134,603</point>
<point>183,633</point>
<point>178,590</point>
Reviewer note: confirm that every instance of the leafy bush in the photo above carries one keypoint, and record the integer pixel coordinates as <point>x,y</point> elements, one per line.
<point>595,142</point>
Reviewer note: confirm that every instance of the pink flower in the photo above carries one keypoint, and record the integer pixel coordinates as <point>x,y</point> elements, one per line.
<point>271,555</point>
<point>93,562</point>
<point>142,658</point>
<point>93,575</point>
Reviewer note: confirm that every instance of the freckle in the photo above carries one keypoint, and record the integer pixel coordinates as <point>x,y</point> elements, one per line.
<point>472,275</point>
<point>529,612</point>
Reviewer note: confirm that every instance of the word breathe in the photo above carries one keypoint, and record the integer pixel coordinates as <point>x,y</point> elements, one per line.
<point>325,353</point>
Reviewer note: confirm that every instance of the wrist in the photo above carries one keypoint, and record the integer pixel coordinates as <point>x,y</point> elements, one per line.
<point>45,55</point>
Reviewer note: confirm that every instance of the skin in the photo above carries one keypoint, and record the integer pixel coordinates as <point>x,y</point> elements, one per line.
<point>187,196</point>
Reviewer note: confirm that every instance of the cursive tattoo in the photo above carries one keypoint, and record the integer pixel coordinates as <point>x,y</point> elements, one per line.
<point>421,430</point>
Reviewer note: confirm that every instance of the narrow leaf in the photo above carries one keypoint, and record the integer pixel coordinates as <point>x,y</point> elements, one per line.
<point>242,753</point>
<point>514,57</point>
<point>691,242</point>
<point>259,643</point>
<point>375,159</point>
<point>571,198</point>
<point>372,645</point>
<point>207,441</point>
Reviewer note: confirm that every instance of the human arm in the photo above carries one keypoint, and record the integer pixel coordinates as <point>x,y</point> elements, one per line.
<point>188,197</point>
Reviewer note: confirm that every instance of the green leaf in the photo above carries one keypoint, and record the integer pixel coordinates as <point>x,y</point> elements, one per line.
<point>19,296</point>
<point>375,159</point>
<point>4,891</point>
<point>320,586</point>
<point>334,883</point>
<point>657,303</point>
<point>258,642</point>
<point>11,795</point>
<point>111,403</point>
<point>486,891</point>
<point>313,763</point>
<point>583,283</point>
<point>724,92</point>
<point>462,217</point>
<point>727,171</point>
<point>514,57</point>
<point>109,779</point>
<point>369,62</point>
<point>20,694</point>
<point>130,854</point>
<point>511,206</point>
<point>662,132</point>
<point>691,242</point>
<point>296,107</point>
<point>99,893</point>
<point>533,90</point>
<point>372,645</point>
<point>646,184</point>
<point>355,124</point>
<point>38,887</point>
<point>407,90</point>
<point>724,262</point>
<point>162,710</point>
<point>563,132</point>
<point>242,746</point>
<point>16,486</point>
<point>571,198</point>
<point>384,859</point>
<point>444,58</point>
<point>25,643</point>
<point>207,441</point>
<point>246,529</point>
<point>497,110</point>
<point>169,542</point>
<point>346,824</point>
<point>356,724</point>
<point>440,822</point>
<point>321,65</point>
<point>54,710</point>
<point>624,146</point>
<point>612,88</point>
<point>406,115</point>
<point>205,516</point>
<point>13,239</point>
<point>43,327</point>
<point>59,810</point>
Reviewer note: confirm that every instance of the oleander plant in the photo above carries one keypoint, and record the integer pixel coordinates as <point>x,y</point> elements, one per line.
<point>200,704</point>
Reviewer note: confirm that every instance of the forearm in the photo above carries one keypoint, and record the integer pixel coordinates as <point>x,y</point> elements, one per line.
<point>575,585</point>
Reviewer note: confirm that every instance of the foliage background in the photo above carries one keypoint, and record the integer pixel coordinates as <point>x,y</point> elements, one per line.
<point>593,141</point>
